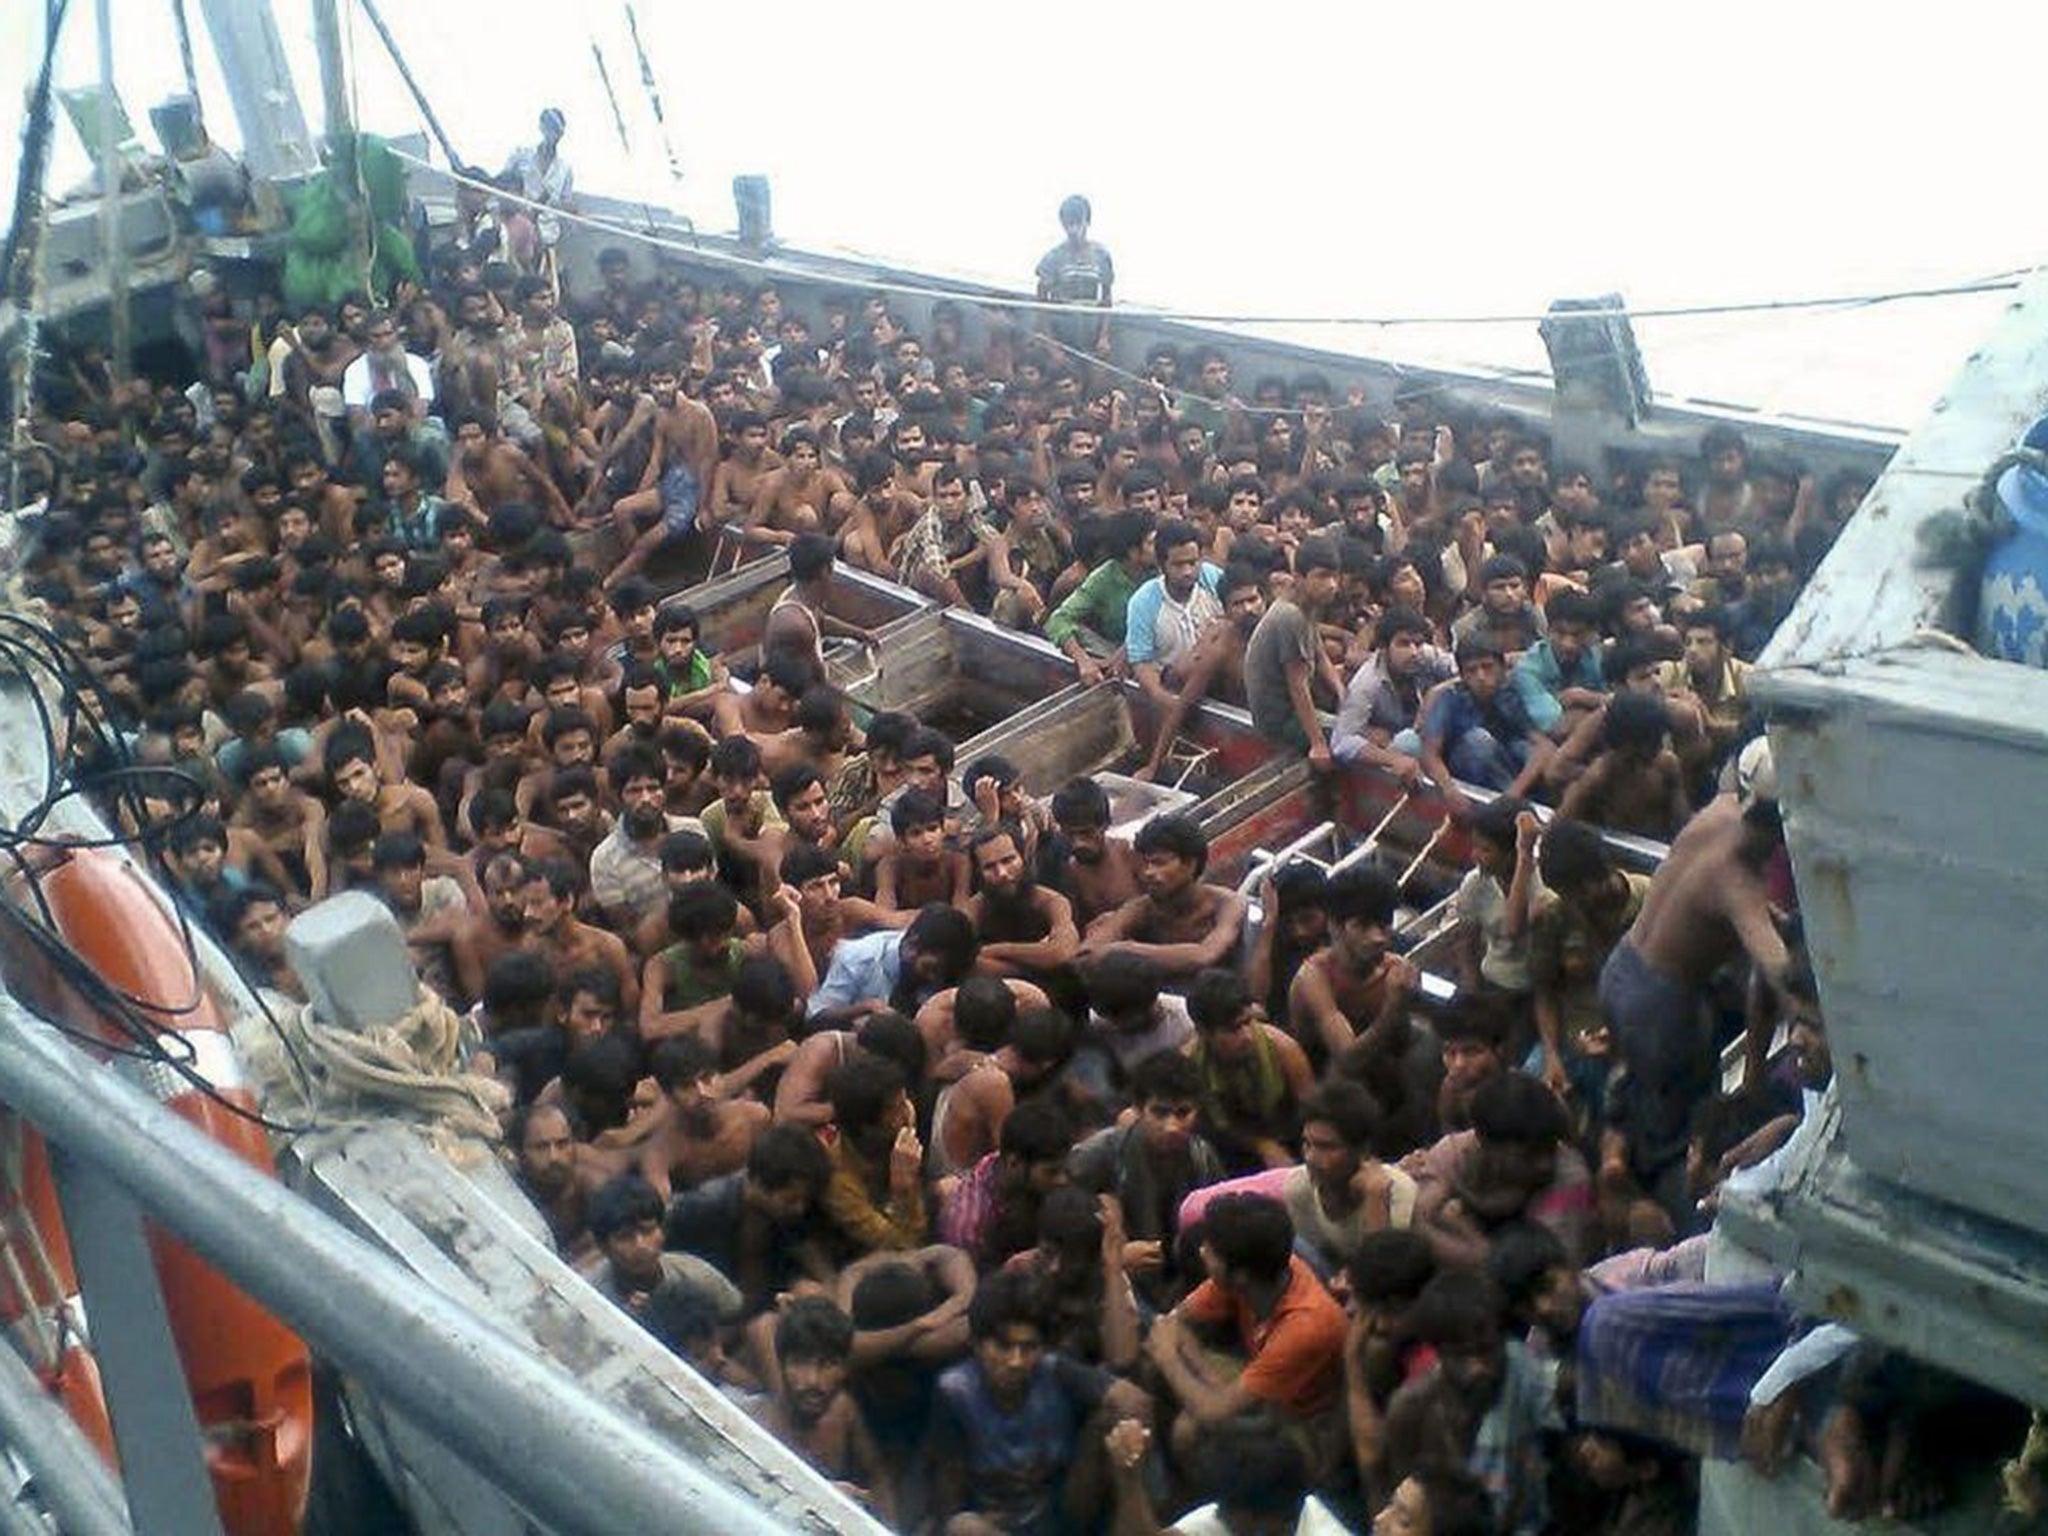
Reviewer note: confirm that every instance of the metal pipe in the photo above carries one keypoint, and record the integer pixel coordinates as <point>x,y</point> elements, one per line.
<point>113,252</point>
<point>1366,848</point>
<point>1300,846</point>
<point>1427,849</point>
<point>582,1466</point>
<point>419,97</point>
<point>69,1476</point>
<point>333,72</point>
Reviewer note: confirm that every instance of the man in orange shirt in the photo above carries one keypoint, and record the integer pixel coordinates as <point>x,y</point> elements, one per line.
<point>1282,1336</point>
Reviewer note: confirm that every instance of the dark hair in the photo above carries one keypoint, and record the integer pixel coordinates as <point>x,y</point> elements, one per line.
<point>1119,981</point>
<point>517,982</point>
<point>1365,893</point>
<point>686,849</point>
<point>1252,1233</point>
<point>1515,1107</point>
<point>1319,554</point>
<point>1573,607</point>
<point>680,1061</point>
<point>736,757</point>
<point>947,932</point>
<point>398,850</point>
<point>1459,1308</point>
<point>813,1328</point>
<point>984,1012</point>
<point>810,556</point>
<point>1165,1075</point>
<point>1081,803</point>
<point>1005,1298</point>
<point>1403,621</point>
<point>916,808</point>
<point>1037,1131</point>
<point>894,1038</point>
<point>860,1089</point>
<point>1347,1108</point>
<point>926,742</point>
<point>783,1155</point>
<point>1218,998</point>
<point>1175,833</point>
<point>1459,1504</point>
<point>1635,721</point>
<point>1391,1266</point>
<point>1495,820</point>
<point>634,761</point>
<point>626,1201</point>
<point>701,909</point>
<point>1573,854</point>
<point>1519,1257</point>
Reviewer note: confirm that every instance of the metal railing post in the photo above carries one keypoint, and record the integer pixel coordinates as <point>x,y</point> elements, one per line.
<point>155,1427</point>
<point>70,1479</point>
<point>580,1466</point>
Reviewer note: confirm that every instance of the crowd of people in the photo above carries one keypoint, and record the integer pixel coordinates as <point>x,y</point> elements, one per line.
<point>1013,1174</point>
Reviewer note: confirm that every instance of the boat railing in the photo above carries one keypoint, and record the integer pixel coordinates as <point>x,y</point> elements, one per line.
<point>122,1157</point>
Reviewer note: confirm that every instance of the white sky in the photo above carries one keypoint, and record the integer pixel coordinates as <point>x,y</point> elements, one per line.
<point>1327,158</point>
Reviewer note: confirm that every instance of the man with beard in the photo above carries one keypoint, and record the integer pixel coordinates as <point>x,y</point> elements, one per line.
<point>497,929</point>
<point>701,1137</point>
<point>320,360</point>
<point>489,473</point>
<point>678,472</point>
<point>1486,1406</point>
<point>543,1138</point>
<point>1026,929</point>
<point>552,930</point>
<point>813,1413</point>
<point>1214,665</point>
<point>626,881</point>
<point>385,366</point>
<point>1357,989</point>
<point>1178,923</point>
<point>1094,871</point>
<point>640,695</point>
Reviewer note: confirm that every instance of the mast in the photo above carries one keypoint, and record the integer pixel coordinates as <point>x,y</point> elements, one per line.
<point>333,73</point>
<point>22,260</point>
<point>113,252</point>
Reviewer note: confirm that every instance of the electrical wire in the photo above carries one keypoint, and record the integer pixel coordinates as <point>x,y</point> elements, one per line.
<point>85,754</point>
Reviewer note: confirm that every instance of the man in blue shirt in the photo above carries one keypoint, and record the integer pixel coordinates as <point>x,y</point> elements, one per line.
<point>1167,615</point>
<point>1477,730</point>
<point>897,969</point>
<point>1559,678</point>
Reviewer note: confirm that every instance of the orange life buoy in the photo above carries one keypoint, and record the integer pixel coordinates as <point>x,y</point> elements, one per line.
<point>250,1376</point>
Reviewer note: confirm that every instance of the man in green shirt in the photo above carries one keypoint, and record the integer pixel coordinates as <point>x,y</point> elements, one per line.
<point>1095,610</point>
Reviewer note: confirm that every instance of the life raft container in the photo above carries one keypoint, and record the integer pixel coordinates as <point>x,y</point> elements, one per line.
<point>250,1376</point>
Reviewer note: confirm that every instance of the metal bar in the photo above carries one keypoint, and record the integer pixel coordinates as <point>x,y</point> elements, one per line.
<point>1366,849</point>
<point>333,72</point>
<point>156,1430</point>
<point>419,97</point>
<point>582,1466</point>
<point>71,1480</point>
<point>1261,861</point>
<point>1428,848</point>
<point>114,253</point>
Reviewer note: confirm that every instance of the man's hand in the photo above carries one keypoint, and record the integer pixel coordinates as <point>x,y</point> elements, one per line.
<point>1140,1258</point>
<point>1127,1442</point>
<point>1319,758</point>
<point>1528,829</point>
<point>1112,1228</point>
<point>788,903</point>
<point>906,1161</point>
<point>1403,979</point>
<point>1554,1077</point>
<point>1090,669</point>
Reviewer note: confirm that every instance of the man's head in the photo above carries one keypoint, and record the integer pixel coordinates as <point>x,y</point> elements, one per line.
<point>703,916</point>
<point>1247,1242</point>
<point>1575,864</point>
<point>1178,548</point>
<point>1075,215</point>
<point>1166,1091</point>
<point>1474,1040</point>
<point>589,1000</point>
<point>1481,666</point>
<point>1034,1143</point>
<point>813,1349</point>
<point>543,1137</point>
<point>1339,1125</point>
<point>1226,1021</point>
<point>1361,902</point>
<point>870,1103</point>
<point>1403,636</point>
<point>939,947</point>
<point>1008,1321</point>
<point>1459,1315</point>
<point>1080,809</point>
<point>1706,645</point>
<point>918,818</point>
<point>927,757</point>
<point>1319,573</point>
<point>1172,853</point>
<point>1573,625</point>
<point>625,1218</point>
<point>1494,835</point>
<point>400,860</point>
<point>787,1171</point>
<point>549,895</point>
<point>999,868</point>
<point>1635,728</point>
<point>1521,1124</point>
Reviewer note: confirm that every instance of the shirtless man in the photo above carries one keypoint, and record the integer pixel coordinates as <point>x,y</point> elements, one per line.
<point>1026,929</point>
<point>498,927</point>
<point>801,616</point>
<point>552,930</point>
<point>288,821</point>
<point>768,708</point>
<point>1357,989</point>
<point>919,868</point>
<point>1180,924</point>
<point>737,480</point>
<point>487,473</point>
<point>878,516</point>
<point>702,1137</point>
<point>1100,872</point>
<point>802,496</point>
<point>1707,906</point>
<point>812,1412</point>
<point>678,472</point>
<point>350,758</point>
<point>1636,784</point>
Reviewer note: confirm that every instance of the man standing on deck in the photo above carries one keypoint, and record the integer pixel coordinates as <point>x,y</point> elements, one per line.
<point>1708,904</point>
<point>1077,271</point>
